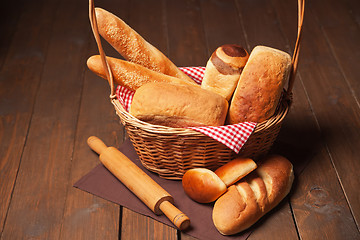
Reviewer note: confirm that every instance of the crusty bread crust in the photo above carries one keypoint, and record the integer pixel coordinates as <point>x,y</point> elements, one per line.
<point>260,85</point>
<point>236,169</point>
<point>223,69</point>
<point>133,47</point>
<point>131,75</point>
<point>176,105</point>
<point>235,208</point>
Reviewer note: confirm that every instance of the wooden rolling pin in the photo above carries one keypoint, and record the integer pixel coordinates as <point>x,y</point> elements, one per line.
<point>138,182</point>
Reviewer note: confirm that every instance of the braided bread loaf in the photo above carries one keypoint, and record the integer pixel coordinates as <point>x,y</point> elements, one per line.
<point>248,200</point>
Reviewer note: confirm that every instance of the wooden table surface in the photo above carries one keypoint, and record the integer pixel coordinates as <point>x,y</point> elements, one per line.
<point>50,103</point>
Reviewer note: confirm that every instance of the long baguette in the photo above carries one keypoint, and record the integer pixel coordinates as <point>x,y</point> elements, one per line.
<point>248,200</point>
<point>133,47</point>
<point>131,75</point>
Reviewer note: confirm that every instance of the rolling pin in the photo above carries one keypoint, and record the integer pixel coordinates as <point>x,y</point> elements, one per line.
<point>138,182</point>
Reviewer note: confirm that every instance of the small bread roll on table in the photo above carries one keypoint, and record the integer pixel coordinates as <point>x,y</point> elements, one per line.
<point>204,185</point>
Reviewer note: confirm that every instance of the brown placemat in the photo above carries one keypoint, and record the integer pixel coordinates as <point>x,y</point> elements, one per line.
<point>100,182</point>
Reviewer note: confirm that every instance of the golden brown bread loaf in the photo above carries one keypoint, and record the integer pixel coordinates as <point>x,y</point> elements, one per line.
<point>134,47</point>
<point>203,185</point>
<point>130,75</point>
<point>236,169</point>
<point>259,89</point>
<point>223,69</point>
<point>177,105</point>
<point>248,200</point>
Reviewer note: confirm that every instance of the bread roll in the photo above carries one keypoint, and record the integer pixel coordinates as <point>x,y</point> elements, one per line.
<point>203,185</point>
<point>130,75</point>
<point>236,169</point>
<point>223,69</point>
<point>247,201</point>
<point>133,47</point>
<point>176,105</point>
<point>259,89</point>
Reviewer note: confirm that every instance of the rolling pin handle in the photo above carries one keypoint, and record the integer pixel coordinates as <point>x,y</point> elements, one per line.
<point>178,218</point>
<point>96,144</point>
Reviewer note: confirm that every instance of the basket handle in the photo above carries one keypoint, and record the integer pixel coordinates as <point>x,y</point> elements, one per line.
<point>108,72</point>
<point>295,57</point>
<point>94,27</point>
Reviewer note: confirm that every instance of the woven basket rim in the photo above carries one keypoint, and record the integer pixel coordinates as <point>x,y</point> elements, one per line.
<point>279,115</point>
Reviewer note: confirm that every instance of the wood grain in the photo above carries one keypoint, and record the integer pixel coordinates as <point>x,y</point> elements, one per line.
<point>342,34</point>
<point>87,216</point>
<point>318,194</point>
<point>36,209</point>
<point>227,31</point>
<point>8,23</point>
<point>20,76</point>
<point>187,44</point>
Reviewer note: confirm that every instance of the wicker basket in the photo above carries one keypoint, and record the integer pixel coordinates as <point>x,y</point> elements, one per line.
<point>170,152</point>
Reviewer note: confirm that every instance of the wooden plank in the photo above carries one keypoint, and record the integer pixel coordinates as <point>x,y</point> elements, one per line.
<point>353,7</point>
<point>8,23</point>
<point>87,216</point>
<point>262,28</point>
<point>343,35</point>
<point>187,41</point>
<point>20,76</point>
<point>136,226</point>
<point>318,202</point>
<point>222,24</point>
<point>38,200</point>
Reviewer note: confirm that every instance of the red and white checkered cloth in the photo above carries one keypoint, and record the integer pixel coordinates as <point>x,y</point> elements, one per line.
<point>233,136</point>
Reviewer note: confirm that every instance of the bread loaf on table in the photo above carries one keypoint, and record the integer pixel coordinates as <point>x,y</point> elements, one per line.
<point>130,75</point>
<point>260,85</point>
<point>203,185</point>
<point>252,197</point>
<point>177,105</point>
<point>134,47</point>
<point>223,69</point>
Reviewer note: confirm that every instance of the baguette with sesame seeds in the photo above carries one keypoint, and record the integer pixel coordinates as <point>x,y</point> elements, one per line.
<point>131,75</point>
<point>133,47</point>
